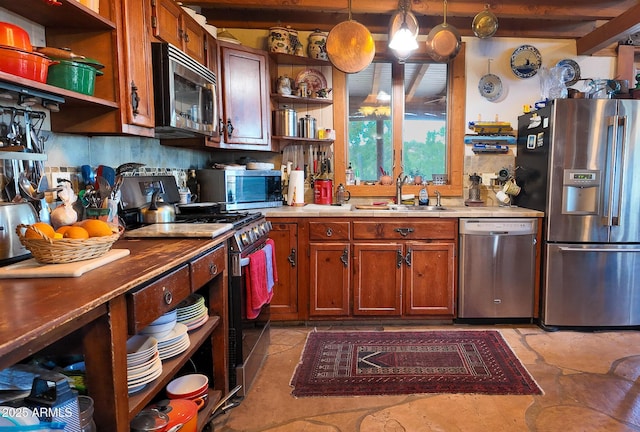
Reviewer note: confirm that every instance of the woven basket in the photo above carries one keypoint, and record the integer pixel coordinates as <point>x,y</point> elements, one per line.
<point>46,250</point>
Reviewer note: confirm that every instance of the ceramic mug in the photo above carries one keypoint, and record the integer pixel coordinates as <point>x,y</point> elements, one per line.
<point>511,188</point>
<point>503,197</point>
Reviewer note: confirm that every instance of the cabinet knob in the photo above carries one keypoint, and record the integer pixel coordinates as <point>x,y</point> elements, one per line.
<point>404,231</point>
<point>135,99</point>
<point>292,258</point>
<point>168,297</point>
<point>399,258</point>
<point>229,128</point>
<point>345,257</point>
<point>329,232</point>
<point>407,258</point>
<point>213,269</point>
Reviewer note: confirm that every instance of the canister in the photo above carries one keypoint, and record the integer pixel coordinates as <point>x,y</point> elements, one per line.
<point>317,47</point>
<point>285,122</point>
<point>307,127</point>
<point>323,191</point>
<point>279,41</point>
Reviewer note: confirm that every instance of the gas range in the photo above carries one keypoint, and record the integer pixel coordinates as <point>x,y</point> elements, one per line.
<point>251,228</point>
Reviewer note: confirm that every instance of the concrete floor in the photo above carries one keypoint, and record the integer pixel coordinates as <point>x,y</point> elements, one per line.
<point>590,382</point>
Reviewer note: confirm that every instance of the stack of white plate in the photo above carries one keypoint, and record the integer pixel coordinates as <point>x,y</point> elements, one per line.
<point>192,312</point>
<point>176,342</point>
<point>143,362</point>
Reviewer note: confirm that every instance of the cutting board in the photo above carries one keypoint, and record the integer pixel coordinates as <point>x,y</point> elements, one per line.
<point>32,269</point>
<point>206,230</point>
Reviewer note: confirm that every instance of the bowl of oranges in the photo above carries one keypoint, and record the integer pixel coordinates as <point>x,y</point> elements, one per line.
<point>86,239</point>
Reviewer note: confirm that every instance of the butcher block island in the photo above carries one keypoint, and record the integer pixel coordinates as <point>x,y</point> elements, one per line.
<point>96,313</point>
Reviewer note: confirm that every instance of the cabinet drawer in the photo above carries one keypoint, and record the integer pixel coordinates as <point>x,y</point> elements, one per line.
<point>329,230</point>
<point>148,303</point>
<point>207,267</point>
<point>405,229</point>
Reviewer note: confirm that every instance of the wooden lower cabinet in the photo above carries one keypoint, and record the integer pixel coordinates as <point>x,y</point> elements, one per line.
<point>284,304</point>
<point>329,279</point>
<point>377,286</point>
<point>429,279</point>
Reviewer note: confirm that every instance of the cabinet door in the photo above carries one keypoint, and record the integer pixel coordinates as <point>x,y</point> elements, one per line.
<point>429,279</point>
<point>136,88</point>
<point>167,22</point>
<point>284,304</point>
<point>245,98</point>
<point>193,39</point>
<point>377,280</point>
<point>329,275</point>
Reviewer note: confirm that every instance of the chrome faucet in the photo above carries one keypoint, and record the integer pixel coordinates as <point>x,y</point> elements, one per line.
<point>438,199</point>
<point>399,182</point>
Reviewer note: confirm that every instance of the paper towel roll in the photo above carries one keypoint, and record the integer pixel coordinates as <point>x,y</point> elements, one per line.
<point>295,195</point>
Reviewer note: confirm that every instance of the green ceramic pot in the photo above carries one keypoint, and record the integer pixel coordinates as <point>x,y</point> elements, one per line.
<point>74,76</point>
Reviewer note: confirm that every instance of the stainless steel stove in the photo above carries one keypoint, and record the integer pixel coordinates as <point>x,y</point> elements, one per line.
<point>248,338</point>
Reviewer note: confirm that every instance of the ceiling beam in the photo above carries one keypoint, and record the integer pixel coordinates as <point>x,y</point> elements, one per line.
<point>626,24</point>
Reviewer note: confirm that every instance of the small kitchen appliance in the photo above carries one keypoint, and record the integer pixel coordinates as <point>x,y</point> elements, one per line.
<point>12,215</point>
<point>323,191</point>
<point>474,191</point>
<point>238,189</point>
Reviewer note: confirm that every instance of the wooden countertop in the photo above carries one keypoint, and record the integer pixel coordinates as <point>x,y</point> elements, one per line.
<point>35,312</point>
<point>349,210</point>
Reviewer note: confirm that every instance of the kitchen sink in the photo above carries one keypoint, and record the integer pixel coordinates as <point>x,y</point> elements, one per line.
<point>416,208</point>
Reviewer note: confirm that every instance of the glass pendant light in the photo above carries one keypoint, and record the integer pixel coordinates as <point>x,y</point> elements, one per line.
<point>402,40</point>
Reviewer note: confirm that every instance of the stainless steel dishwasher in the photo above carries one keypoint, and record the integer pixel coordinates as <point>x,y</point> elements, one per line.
<point>497,268</point>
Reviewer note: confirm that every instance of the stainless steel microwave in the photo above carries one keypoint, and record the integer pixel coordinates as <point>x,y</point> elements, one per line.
<point>185,95</point>
<point>240,189</point>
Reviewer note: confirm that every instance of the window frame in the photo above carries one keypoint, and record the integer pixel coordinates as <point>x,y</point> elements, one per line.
<point>456,105</point>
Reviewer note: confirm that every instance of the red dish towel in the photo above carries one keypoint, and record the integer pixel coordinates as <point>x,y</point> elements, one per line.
<point>257,294</point>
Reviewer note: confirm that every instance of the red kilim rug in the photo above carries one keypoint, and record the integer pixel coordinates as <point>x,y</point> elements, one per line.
<point>393,363</point>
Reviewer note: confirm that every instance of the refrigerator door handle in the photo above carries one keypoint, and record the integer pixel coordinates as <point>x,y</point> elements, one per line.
<point>576,249</point>
<point>609,218</point>
<point>619,163</point>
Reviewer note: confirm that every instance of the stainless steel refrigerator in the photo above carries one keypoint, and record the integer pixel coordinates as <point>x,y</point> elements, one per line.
<point>578,160</point>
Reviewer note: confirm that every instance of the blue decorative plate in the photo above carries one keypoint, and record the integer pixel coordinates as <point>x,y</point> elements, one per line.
<point>525,61</point>
<point>570,71</point>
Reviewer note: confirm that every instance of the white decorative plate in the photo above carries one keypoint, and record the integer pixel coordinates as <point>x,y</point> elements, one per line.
<point>571,71</point>
<point>525,61</point>
<point>490,87</point>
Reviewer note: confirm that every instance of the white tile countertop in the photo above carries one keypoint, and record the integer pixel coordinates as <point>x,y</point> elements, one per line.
<point>351,210</point>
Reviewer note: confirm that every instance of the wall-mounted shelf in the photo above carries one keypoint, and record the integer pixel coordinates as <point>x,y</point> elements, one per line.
<point>291,99</point>
<point>11,155</point>
<point>297,60</point>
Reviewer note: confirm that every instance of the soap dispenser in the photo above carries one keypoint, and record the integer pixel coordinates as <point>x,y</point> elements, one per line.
<point>423,196</point>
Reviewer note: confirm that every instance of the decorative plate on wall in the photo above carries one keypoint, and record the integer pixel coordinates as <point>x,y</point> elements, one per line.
<point>525,61</point>
<point>570,71</point>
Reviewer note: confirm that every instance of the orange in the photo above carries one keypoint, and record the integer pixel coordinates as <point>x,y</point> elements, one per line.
<point>76,232</point>
<point>96,228</point>
<point>43,227</point>
<point>63,229</point>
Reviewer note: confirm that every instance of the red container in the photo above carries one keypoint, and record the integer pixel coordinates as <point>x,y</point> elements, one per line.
<point>24,64</point>
<point>323,191</point>
<point>13,36</point>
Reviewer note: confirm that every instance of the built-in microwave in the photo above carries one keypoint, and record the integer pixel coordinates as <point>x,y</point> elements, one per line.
<point>185,95</point>
<point>240,189</point>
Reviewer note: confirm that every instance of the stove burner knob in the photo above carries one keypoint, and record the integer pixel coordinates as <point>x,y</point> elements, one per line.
<point>244,238</point>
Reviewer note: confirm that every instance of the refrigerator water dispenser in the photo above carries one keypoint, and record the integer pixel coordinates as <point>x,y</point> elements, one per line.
<point>581,192</point>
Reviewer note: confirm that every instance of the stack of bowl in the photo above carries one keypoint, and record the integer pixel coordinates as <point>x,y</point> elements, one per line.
<point>17,56</point>
<point>193,387</point>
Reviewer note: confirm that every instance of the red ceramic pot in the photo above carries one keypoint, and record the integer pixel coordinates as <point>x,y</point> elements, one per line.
<point>181,412</point>
<point>13,36</point>
<point>30,65</point>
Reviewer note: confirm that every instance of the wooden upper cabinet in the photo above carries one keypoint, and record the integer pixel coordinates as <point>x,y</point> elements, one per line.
<point>170,23</point>
<point>245,97</point>
<point>136,88</point>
